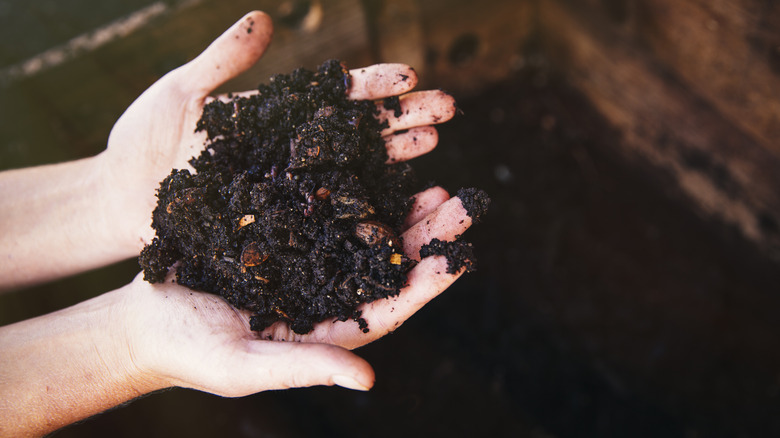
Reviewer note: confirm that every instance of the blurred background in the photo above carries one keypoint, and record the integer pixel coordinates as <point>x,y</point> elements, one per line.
<point>628,270</point>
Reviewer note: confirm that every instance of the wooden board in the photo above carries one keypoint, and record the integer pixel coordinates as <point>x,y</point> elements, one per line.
<point>727,170</point>
<point>460,46</point>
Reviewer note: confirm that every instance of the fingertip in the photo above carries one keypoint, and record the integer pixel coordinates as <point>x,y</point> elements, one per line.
<point>254,31</point>
<point>353,372</point>
<point>257,16</point>
<point>448,106</point>
<point>409,76</point>
<point>419,108</point>
<point>360,382</point>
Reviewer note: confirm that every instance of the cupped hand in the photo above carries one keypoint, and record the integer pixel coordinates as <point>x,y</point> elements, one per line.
<point>433,215</point>
<point>157,132</point>
<point>180,337</point>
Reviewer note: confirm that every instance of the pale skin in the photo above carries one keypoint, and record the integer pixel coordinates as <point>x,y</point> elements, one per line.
<point>61,219</point>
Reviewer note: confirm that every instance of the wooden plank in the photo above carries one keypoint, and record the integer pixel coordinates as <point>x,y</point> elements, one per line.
<point>397,32</point>
<point>469,46</point>
<point>728,51</point>
<point>726,172</point>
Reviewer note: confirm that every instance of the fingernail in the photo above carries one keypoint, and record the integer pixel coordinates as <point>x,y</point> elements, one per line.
<point>348,382</point>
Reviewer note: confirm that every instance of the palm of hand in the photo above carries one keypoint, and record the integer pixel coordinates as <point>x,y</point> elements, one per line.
<point>152,137</point>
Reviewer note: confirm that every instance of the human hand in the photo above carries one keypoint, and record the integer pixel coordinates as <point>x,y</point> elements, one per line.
<point>71,364</point>
<point>191,339</point>
<point>180,337</point>
<point>157,132</point>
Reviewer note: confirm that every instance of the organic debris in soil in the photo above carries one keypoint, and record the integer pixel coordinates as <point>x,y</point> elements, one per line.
<point>292,213</point>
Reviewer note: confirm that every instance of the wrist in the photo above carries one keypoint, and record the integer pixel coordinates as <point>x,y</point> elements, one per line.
<point>58,220</point>
<point>103,322</point>
<point>66,366</point>
<point>134,339</point>
<point>126,213</point>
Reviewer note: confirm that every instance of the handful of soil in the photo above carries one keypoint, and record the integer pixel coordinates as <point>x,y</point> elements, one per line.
<point>292,213</point>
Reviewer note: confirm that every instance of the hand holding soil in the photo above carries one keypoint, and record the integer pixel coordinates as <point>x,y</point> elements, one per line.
<point>68,365</point>
<point>230,125</point>
<point>185,338</point>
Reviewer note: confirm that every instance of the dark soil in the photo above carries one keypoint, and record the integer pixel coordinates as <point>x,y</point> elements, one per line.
<point>292,212</point>
<point>459,254</point>
<point>475,202</point>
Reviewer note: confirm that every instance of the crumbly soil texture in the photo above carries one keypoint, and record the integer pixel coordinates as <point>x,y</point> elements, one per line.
<point>292,212</point>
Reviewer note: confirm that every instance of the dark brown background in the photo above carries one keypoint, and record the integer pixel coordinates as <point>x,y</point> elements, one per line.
<point>628,268</point>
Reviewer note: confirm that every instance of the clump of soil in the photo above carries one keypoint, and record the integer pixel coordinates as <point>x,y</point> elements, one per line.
<point>475,202</point>
<point>459,254</point>
<point>292,212</point>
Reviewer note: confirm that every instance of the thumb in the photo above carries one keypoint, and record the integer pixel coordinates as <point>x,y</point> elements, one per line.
<point>271,365</point>
<point>229,55</point>
<point>297,364</point>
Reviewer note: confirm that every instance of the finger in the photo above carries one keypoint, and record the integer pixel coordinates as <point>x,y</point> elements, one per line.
<point>410,144</point>
<point>400,146</point>
<point>381,80</point>
<point>418,109</point>
<point>426,280</point>
<point>267,365</point>
<point>229,55</point>
<point>446,222</point>
<point>425,203</point>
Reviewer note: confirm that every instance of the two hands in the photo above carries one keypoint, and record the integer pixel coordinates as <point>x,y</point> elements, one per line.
<point>147,337</point>
<point>218,353</point>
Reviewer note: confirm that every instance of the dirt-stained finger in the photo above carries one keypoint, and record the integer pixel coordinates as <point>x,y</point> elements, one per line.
<point>426,280</point>
<point>425,203</point>
<point>419,108</point>
<point>381,80</point>
<point>449,220</point>
<point>410,144</point>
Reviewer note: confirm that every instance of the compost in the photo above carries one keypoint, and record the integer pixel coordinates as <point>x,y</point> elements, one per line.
<point>292,212</point>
